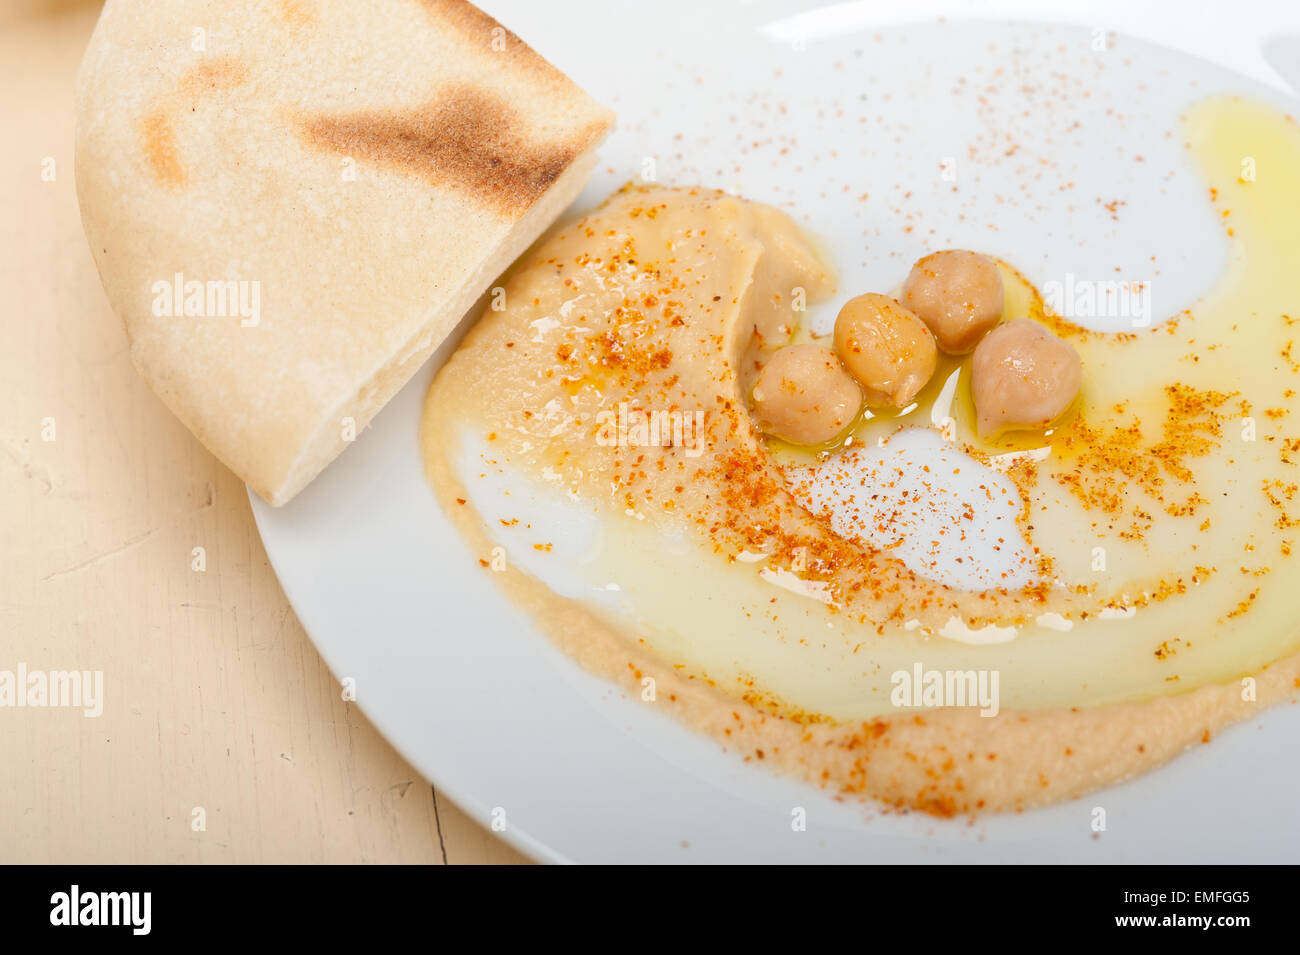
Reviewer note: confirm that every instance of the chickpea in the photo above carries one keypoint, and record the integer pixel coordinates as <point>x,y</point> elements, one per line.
<point>886,348</point>
<point>1023,377</point>
<point>958,294</point>
<point>805,396</point>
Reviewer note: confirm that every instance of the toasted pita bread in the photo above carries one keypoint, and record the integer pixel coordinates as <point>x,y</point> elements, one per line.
<point>328,184</point>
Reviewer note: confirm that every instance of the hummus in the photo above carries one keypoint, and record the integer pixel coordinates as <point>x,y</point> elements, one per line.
<point>1121,584</point>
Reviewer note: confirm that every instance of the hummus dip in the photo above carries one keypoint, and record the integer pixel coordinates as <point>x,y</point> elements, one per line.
<point>912,614</point>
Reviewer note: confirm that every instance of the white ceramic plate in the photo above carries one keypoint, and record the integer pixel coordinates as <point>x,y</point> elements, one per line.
<point>809,109</point>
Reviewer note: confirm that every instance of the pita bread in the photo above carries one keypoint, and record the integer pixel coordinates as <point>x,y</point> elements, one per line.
<point>329,184</point>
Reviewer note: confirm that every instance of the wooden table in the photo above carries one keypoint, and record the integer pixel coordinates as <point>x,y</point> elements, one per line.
<point>214,699</point>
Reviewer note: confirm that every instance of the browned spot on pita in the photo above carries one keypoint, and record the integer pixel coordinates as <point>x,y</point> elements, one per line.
<point>158,130</point>
<point>218,74</point>
<point>467,139</point>
<point>296,13</point>
<point>483,32</point>
<point>160,148</point>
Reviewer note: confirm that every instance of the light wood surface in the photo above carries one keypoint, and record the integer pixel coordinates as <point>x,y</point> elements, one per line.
<point>214,698</point>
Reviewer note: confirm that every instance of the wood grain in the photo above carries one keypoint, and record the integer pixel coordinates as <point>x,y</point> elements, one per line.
<point>214,698</point>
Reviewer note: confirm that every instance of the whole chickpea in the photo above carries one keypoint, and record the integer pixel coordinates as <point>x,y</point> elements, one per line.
<point>803,395</point>
<point>958,294</point>
<point>886,348</point>
<point>1022,377</point>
